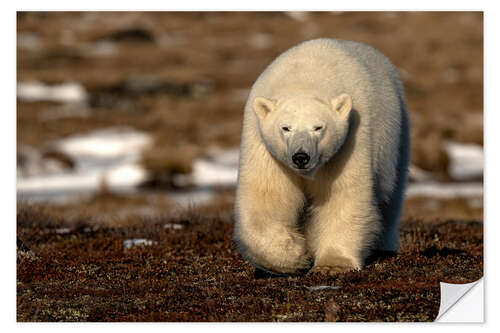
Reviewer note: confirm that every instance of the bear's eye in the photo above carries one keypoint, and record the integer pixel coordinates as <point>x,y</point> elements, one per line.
<point>286,128</point>
<point>318,128</point>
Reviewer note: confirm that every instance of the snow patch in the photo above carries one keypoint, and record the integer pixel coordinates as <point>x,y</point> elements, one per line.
<point>33,91</point>
<point>173,226</point>
<point>129,243</point>
<point>108,156</point>
<point>58,231</point>
<point>445,190</point>
<point>108,143</point>
<point>466,160</point>
<point>63,231</point>
<point>220,170</point>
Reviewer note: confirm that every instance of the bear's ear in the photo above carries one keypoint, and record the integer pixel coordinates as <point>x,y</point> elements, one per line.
<point>342,104</point>
<point>262,106</point>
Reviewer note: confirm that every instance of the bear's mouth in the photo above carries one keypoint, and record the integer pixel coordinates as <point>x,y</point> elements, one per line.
<point>307,175</point>
<point>307,172</point>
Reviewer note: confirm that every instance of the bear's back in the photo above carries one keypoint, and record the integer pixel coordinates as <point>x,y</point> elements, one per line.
<point>329,67</point>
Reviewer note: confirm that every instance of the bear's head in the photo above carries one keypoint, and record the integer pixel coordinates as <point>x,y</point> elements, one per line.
<point>303,132</point>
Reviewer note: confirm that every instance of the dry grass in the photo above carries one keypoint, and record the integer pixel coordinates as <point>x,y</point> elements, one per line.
<point>432,209</point>
<point>195,274</point>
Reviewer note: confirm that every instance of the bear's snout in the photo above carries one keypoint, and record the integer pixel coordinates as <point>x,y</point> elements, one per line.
<point>301,159</point>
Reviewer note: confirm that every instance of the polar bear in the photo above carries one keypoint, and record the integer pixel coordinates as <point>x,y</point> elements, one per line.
<point>323,159</point>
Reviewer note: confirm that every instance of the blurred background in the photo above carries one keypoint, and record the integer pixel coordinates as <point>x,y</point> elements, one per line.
<point>123,115</point>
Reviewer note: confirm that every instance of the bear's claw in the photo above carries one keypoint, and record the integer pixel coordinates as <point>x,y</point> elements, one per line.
<point>329,270</point>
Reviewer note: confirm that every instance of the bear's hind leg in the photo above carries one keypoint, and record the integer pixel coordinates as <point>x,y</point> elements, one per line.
<point>389,237</point>
<point>392,208</point>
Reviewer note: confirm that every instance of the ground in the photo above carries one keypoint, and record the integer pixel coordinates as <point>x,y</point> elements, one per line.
<point>84,273</point>
<point>171,74</point>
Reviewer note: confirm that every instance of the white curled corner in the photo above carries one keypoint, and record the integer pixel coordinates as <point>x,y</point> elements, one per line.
<point>461,302</point>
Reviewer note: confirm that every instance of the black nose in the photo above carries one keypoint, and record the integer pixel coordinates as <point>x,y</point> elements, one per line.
<point>300,159</point>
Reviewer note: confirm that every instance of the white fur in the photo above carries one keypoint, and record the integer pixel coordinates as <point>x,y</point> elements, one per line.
<point>344,103</point>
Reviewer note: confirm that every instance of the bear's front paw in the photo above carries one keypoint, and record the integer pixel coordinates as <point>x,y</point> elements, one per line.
<point>333,262</point>
<point>293,255</point>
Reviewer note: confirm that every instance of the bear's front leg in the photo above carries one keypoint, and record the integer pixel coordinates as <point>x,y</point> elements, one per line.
<point>343,227</point>
<point>266,230</point>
